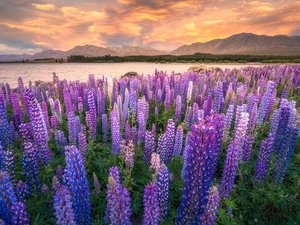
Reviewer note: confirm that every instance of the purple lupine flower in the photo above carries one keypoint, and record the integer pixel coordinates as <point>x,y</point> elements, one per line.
<point>92,116</point>
<point>230,168</point>
<point>177,115</point>
<point>133,101</point>
<point>263,159</point>
<point>104,128</point>
<point>58,110</point>
<point>247,148</point>
<point>240,129</point>
<point>253,117</point>
<point>20,85</point>
<point>125,112</point>
<point>141,126</point>
<point>22,190</point>
<point>285,151</point>
<point>118,209</point>
<point>228,121</point>
<point>45,188</point>
<point>101,103</point>
<point>128,152</point>
<point>30,166</point>
<point>151,205</point>
<point>54,122</point>
<point>211,208</point>
<point>55,183</point>
<point>282,126</point>
<point>82,144</point>
<point>2,165</point>
<point>264,105</point>
<point>9,163</point>
<point>19,214</point>
<point>170,138</point>
<point>218,97</point>
<point>116,134</point>
<point>45,113</point>
<point>195,113</point>
<point>67,100</point>
<point>5,131</point>
<point>127,131</point>
<point>149,146</point>
<point>178,141</point>
<point>163,184</point>
<point>60,139</point>
<point>96,185</point>
<point>16,106</point>
<point>7,197</point>
<point>63,206</point>
<point>79,188</point>
<point>40,132</point>
<point>189,91</point>
<point>72,128</point>
<point>201,159</point>
<point>167,102</point>
<point>162,145</point>
<point>188,118</point>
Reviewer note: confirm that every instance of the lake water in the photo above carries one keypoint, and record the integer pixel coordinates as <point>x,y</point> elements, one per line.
<point>9,73</point>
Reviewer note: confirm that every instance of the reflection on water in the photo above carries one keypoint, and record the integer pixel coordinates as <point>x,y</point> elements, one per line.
<point>9,73</point>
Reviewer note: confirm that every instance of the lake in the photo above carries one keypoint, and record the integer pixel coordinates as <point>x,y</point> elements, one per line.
<point>9,72</point>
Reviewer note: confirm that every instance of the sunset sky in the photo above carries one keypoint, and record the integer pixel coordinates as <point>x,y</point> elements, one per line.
<point>28,26</point>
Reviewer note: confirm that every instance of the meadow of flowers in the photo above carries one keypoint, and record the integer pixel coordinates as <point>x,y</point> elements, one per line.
<point>212,148</point>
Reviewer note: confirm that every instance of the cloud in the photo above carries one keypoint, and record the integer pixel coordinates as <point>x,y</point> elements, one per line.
<point>46,7</point>
<point>163,24</point>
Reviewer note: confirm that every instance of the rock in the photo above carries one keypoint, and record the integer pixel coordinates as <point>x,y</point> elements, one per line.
<point>217,69</point>
<point>197,68</point>
<point>130,74</point>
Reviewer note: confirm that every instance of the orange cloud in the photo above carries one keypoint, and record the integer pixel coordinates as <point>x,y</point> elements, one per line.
<point>46,7</point>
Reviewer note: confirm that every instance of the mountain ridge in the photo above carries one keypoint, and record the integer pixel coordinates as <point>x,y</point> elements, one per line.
<point>242,43</point>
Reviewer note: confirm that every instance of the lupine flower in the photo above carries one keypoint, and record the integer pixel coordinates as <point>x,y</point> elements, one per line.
<point>151,205</point>
<point>104,128</point>
<point>178,141</point>
<point>263,159</point>
<point>116,134</point>
<point>60,139</point>
<point>55,183</point>
<point>163,184</point>
<point>141,126</point>
<point>7,197</point>
<point>73,135</point>
<point>207,104</point>
<point>5,131</point>
<point>59,172</point>
<point>149,146</point>
<point>218,97</point>
<point>189,91</point>
<point>188,116</point>
<point>39,129</point>
<point>96,185</point>
<point>170,139</point>
<point>286,149</point>
<point>129,154</point>
<point>92,116</point>
<point>211,208</point>
<point>203,150</point>
<point>63,207</point>
<point>282,127</point>
<point>30,166</point>
<point>67,100</point>
<point>247,148</point>
<point>155,162</point>
<point>22,190</point>
<point>82,144</point>
<point>253,117</point>
<point>240,131</point>
<point>101,103</point>
<point>230,168</point>
<point>127,131</point>
<point>16,106</point>
<point>79,104</point>
<point>185,152</point>
<point>228,121</point>
<point>9,163</point>
<point>54,122</point>
<point>118,209</point>
<point>19,214</point>
<point>79,188</point>
<point>177,114</point>
<point>133,101</point>
<point>45,113</point>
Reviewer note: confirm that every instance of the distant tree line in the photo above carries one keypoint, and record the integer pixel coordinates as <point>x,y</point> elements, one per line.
<point>198,57</point>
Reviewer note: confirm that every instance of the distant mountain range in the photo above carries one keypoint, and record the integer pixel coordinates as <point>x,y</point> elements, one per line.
<point>244,43</point>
